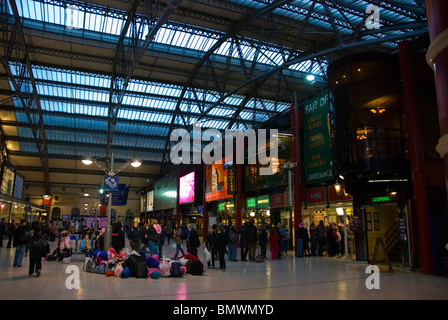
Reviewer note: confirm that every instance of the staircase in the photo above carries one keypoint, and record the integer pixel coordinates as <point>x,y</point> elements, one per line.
<point>392,241</point>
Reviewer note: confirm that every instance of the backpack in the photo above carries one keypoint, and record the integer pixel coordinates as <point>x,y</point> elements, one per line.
<point>175,270</point>
<point>232,236</point>
<point>101,268</point>
<point>141,269</point>
<point>125,273</point>
<point>165,269</point>
<point>131,262</point>
<point>197,268</point>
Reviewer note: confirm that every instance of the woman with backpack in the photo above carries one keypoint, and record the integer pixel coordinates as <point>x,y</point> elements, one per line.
<point>37,247</point>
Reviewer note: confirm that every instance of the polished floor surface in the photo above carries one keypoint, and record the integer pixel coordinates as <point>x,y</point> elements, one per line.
<point>293,278</point>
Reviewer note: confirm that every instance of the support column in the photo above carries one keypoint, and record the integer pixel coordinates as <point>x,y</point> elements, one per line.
<point>437,58</point>
<point>240,196</point>
<point>298,186</point>
<point>419,183</point>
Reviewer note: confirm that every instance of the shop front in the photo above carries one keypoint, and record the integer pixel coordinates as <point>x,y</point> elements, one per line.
<point>282,213</point>
<point>218,197</point>
<point>259,209</point>
<point>165,200</point>
<point>332,207</point>
<point>386,221</point>
<point>190,200</point>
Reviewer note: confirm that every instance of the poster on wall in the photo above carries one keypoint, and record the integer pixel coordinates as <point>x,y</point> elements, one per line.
<point>216,180</point>
<point>7,181</point>
<point>316,130</point>
<point>186,188</point>
<point>150,201</point>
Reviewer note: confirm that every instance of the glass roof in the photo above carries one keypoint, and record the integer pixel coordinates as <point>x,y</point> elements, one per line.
<point>80,100</point>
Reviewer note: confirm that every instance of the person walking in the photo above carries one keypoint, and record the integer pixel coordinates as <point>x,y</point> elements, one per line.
<point>179,240</point>
<point>37,246</point>
<point>274,240</point>
<point>220,244</point>
<point>321,236</point>
<point>19,242</point>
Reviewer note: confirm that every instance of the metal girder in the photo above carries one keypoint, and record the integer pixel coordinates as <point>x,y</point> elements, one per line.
<point>232,31</point>
<point>42,147</point>
<point>312,54</point>
<point>125,78</point>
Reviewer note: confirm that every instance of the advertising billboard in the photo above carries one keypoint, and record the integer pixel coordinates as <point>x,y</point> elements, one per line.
<point>186,188</point>
<point>316,129</point>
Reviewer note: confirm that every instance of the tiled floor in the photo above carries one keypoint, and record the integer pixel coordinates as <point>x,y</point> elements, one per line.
<point>293,278</point>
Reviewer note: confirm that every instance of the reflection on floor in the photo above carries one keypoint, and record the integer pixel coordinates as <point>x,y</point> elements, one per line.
<point>292,278</point>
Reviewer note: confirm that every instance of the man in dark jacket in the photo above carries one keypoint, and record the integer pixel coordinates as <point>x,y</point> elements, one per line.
<point>252,238</point>
<point>135,235</point>
<point>20,241</point>
<point>321,235</point>
<point>193,242</point>
<point>243,240</point>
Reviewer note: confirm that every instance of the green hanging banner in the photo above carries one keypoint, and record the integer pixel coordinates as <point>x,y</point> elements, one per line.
<point>317,148</point>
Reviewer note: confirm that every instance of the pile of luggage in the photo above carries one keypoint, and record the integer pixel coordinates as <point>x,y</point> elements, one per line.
<point>141,265</point>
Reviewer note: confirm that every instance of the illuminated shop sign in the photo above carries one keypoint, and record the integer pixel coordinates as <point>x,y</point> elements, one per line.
<point>381,199</point>
<point>251,202</point>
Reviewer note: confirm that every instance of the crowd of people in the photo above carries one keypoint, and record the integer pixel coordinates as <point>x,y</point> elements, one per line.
<point>220,240</point>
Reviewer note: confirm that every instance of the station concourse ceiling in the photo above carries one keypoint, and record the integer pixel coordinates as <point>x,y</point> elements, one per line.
<point>94,78</point>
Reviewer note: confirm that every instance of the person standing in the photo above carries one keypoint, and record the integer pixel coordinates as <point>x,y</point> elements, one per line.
<point>220,244</point>
<point>193,242</point>
<point>178,239</point>
<point>210,242</point>
<point>3,226</point>
<point>243,241</point>
<point>10,233</point>
<point>154,235</point>
<point>37,248</point>
<point>86,245</point>
<point>284,241</point>
<point>169,232</point>
<point>231,237</point>
<point>300,239</point>
<point>274,240</point>
<point>135,236</point>
<point>118,240</point>
<point>313,239</point>
<point>263,240</point>
<point>321,236</point>
<point>252,238</point>
<point>162,240</point>
<point>19,242</point>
